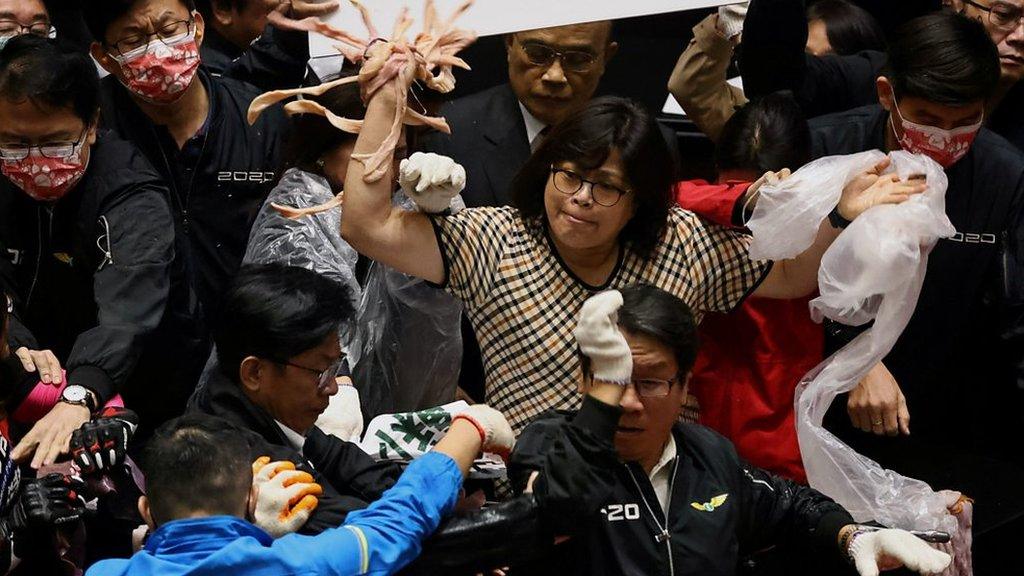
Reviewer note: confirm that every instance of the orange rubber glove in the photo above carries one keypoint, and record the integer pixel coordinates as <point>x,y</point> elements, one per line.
<point>285,497</point>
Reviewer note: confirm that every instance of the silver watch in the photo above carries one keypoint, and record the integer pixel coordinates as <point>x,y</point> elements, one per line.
<point>79,395</point>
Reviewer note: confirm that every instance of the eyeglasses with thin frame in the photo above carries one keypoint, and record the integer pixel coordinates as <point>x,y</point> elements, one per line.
<point>14,28</point>
<point>652,387</point>
<point>1000,14</point>
<point>569,183</point>
<point>572,60</point>
<point>324,377</point>
<point>167,33</point>
<point>55,150</point>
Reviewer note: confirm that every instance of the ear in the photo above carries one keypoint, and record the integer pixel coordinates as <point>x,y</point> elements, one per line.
<point>222,17</point>
<point>509,40</point>
<point>250,504</point>
<point>147,516</point>
<point>200,28</point>
<point>686,383</point>
<point>90,138</point>
<point>250,373</point>
<point>885,94</point>
<point>610,51</point>
<point>104,60</point>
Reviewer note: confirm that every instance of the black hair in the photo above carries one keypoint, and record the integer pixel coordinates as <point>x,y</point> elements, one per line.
<point>100,14</point>
<point>312,135</point>
<point>276,312</point>
<point>205,7</point>
<point>945,58</point>
<point>768,133</point>
<point>50,75</point>
<point>197,463</point>
<point>652,311</point>
<point>586,138</point>
<point>849,28</point>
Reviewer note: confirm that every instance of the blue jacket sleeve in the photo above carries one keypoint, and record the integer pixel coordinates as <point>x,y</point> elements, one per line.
<point>387,535</point>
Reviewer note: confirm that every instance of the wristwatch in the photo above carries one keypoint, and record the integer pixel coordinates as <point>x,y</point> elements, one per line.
<point>79,395</point>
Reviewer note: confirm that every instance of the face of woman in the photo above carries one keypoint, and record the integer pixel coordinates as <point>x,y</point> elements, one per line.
<point>575,218</point>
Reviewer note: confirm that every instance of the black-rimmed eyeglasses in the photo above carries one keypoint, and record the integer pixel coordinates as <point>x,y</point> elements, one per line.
<point>1002,15</point>
<point>568,182</point>
<point>55,150</point>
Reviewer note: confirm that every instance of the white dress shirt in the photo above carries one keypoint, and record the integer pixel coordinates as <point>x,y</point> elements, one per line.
<point>295,439</point>
<point>533,126</point>
<point>661,474</point>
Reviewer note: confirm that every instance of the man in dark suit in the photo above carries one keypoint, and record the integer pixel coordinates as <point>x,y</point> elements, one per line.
<point>552,72</point>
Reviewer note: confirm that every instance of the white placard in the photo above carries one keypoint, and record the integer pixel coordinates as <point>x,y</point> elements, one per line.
<point>487,17</point>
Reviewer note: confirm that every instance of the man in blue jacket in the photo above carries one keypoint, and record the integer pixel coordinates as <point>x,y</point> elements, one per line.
<point>200,489</point>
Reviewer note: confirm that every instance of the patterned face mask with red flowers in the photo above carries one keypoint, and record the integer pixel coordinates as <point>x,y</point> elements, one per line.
<point>160,71</point>
<point>45,179</point>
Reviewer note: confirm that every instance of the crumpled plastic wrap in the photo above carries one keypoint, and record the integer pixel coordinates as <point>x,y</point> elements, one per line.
<point>313,242</point>
<point>874,270</point>
<point>409,340</point>
<point>406,347</point>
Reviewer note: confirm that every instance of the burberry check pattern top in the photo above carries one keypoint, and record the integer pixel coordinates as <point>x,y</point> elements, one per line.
<point>523,300</point>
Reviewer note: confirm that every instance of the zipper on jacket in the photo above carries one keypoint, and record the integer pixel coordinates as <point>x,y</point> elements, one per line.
<point>663,536</point>
<point>39,250</point>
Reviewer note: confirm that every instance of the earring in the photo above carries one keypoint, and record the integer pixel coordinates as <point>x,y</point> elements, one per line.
<point>320,164</point>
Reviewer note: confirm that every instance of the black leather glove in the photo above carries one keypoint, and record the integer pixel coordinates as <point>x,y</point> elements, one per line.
<point>102,443</point>
<point>10,476</point>
<point>51,500</point>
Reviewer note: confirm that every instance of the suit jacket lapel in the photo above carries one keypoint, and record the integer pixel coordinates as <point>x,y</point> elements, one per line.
<point>505,133</point>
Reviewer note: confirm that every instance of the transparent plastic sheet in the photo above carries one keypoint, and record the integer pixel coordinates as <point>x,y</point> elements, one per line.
<point>409,340</point>
<point>313,242</point>
<point>874,270</point>
<point>406,348</point>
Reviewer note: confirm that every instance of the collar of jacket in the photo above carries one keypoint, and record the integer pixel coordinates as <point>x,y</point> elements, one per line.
<point>215,94</point>
<point>207,534</point>
<point>225,399</point>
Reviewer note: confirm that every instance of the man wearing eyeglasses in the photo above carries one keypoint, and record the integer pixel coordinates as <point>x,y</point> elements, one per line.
<point>277,366</point>
<point>88,253</point>
<point>639,492</point>
<point>191,126</point>
<point>552,72</point>
<point>24,17</point>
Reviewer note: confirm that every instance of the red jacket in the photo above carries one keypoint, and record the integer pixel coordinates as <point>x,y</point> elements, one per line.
<point>751,360</point>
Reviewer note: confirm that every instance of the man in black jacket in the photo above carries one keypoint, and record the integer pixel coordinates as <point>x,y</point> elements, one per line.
<point>773,58</point>
<point>88,252</point>
<point>638,492</point>
<point>960,360</point>
<point>191,125</point>
<point>278,356</point>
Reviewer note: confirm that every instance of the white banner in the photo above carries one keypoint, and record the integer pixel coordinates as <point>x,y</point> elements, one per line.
<point>487,17</point>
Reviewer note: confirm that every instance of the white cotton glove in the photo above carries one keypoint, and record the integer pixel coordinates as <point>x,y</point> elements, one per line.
<point>431,180</point>
<point>343,417</point>
<point>597,333</point>
<point>730,19</point>
<point>870,548</point>
<point>495,433</point>
<point>285,497</point>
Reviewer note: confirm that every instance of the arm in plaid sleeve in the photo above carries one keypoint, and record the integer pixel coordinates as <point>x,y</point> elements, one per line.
<point>719,264</point>
<point>472,243</point>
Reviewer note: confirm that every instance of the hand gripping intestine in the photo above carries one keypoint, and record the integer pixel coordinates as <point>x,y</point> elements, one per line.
<point>429,59</point>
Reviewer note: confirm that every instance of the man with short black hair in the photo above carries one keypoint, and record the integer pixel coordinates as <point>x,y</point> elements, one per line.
<point>960,360</point>
<point>640,492</point>
<point>88,251</point>
<point>278,356</point>
<point>200,488</point>
<point>191,125</point>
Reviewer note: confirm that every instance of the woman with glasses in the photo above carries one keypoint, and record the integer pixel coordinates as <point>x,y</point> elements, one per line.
<point>639,492</point>
<point>592,210</point>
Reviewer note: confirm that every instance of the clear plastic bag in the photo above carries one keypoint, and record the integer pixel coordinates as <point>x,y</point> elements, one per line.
<point>409,340</point>
<point>873,271</point>
<point>313,242</point>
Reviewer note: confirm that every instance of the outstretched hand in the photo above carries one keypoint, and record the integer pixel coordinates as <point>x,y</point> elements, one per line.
<point>873,188</point>
<point>889,549</point>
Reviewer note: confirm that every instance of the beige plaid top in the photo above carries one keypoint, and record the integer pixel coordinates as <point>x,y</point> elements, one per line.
<point>523,300</point>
